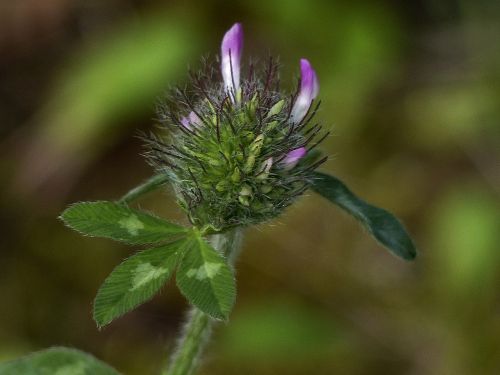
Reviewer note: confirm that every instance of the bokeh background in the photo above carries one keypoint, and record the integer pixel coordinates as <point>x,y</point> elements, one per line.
<point>411,90</point>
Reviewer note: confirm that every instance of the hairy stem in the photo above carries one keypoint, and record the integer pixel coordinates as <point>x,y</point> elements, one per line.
<point>149,185</point>
<point>195,336</point>
<point>198,327</point>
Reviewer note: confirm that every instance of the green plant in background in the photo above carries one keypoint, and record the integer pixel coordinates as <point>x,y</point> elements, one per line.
<point>237,153</point>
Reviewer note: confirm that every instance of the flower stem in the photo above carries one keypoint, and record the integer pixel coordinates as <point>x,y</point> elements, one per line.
<point>194,338</point>
<point>198,328</point>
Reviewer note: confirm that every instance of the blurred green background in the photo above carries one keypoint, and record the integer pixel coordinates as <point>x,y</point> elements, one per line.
<point>411,90</point>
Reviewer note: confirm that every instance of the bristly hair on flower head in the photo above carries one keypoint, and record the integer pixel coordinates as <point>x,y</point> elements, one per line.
<point>238,150</point>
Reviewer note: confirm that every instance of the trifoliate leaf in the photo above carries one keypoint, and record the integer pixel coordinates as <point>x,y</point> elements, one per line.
<point>135,281</point>
<point>384,226</point>
<point>57,361</point>
<point>205,279</point>
<point>119,222</point>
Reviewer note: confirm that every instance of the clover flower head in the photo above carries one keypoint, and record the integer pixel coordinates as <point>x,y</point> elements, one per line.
<point>239,149</point>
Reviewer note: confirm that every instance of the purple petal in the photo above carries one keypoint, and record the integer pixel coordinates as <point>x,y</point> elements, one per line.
<point>185,122</point>
<point>231,48</point>
<point>194,119</point>
<point>309,88</point>
<point>190,120</point>
<point>293,157</point>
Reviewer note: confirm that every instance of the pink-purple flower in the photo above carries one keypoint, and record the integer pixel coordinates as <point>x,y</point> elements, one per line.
<point>191,120</point>
<point>309,88</point>
<point>293,157</point>
<point>231,49</point>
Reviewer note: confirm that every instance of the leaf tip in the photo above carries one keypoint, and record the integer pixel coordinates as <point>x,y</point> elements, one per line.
<point>411,254</point>
<point>100,323</point>
<point>100,319</point>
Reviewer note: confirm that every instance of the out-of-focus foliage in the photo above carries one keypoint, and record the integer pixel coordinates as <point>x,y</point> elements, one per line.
<point>412,92</point>
<point>57,361</point>
<point>114,78</point>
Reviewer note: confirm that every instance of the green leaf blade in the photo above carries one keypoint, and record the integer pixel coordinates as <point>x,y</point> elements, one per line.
<point>383,225</point>
<point>205,279</point>
<point>135,281</point>
<point>120,223</point>
<point>57,361</point>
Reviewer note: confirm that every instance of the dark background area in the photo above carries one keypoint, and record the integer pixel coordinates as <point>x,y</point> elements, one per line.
<point>411,90</point>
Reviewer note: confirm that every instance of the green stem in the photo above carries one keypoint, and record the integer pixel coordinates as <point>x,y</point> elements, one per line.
<point>149,185</point>
<point>198,327</point>
<point>195,336</point>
